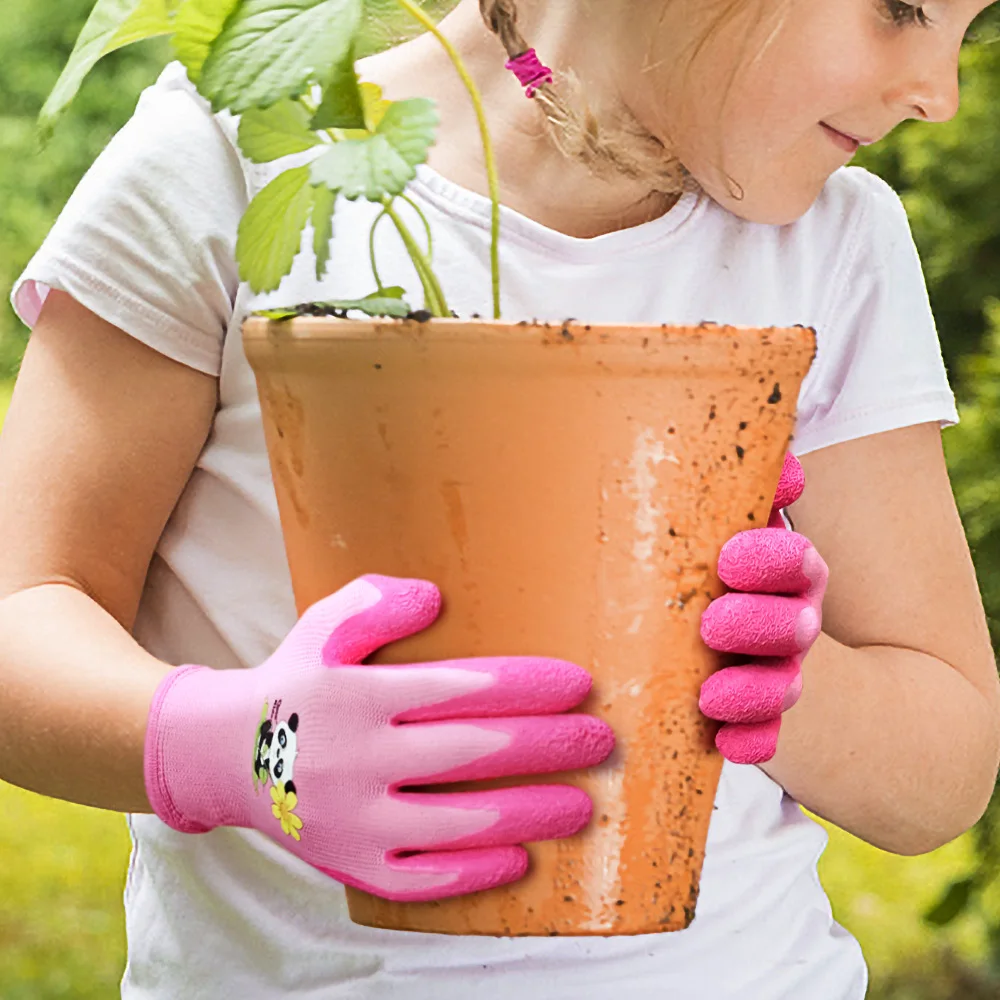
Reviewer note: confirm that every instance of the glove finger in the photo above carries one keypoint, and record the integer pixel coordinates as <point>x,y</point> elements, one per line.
<point>439,752</point>
<point>772,561</point>
<point>749,744</point>
<point>752,693</point>
<point>791,484</point>
<point>518,816</point>
<point>468,871</point>
<point>760,625</point>
<point>440,875</point>
<point>349,625</point>
<point>480,688</point>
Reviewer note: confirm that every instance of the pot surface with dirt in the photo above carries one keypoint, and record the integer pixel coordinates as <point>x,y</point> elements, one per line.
<point>569,489</point>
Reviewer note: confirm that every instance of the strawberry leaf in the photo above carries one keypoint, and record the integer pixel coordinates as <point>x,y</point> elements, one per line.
<point>271,49</point>
<point>270,232</point>
<point>197,25</point>
<point>343,104</point>
<point>324,202</point>
<point>280,130</point>
<point>112,25</point>
<point>387,302</point>
<point>385,161</point>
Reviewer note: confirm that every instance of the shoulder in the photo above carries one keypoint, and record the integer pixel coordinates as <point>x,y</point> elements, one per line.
<point>175,131</point>
<point>861,214</point>
<point>175,101</point>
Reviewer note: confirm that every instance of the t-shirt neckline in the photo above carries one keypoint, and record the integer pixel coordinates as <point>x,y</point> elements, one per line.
<point>455,200</point>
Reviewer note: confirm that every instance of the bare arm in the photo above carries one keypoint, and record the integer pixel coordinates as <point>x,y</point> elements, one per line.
<point>897,735</point>
<point>101,437</point>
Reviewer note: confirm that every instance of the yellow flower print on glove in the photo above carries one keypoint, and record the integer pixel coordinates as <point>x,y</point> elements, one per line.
<point>284,810</point>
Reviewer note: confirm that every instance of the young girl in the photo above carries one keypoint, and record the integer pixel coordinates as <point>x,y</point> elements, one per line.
<point>686,164</point>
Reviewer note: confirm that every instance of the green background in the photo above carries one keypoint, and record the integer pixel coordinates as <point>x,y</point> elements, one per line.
<point>62,867</point>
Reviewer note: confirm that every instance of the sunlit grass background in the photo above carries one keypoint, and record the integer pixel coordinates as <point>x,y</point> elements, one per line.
<point>62,873</point>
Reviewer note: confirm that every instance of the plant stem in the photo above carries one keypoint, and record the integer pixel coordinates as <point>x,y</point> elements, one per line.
<point>434,300</point>
<point>427,226</point>
<point>371,250</point>
<point>491,167</point>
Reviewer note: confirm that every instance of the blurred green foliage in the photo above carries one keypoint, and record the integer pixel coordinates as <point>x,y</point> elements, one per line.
<point>36,37</point>
<point>61,928</point>
<point>946,174</point>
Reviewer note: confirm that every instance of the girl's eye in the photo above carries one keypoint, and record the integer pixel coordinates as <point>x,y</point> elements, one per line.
<point>905,13</point>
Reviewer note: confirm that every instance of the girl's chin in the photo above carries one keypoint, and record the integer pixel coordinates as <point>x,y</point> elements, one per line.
<point>774,203</point>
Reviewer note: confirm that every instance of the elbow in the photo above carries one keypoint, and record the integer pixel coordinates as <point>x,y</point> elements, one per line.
<point>944,821</point>
<point>961,797</point>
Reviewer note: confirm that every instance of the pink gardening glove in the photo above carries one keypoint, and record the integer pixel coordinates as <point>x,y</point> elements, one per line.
<point>774,616</point>
<point>314,750</point>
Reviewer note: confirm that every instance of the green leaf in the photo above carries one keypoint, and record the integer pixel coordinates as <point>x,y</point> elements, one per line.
<point>271,49</point>
<point>277,314</point>
<point>375,304</point>
<point>952,904</point>
<point>197,25</point>
<point>112,24</point>
<point>382,163</point>
<point>374,104</point>
<point>388,302</point>
<point>384,28</point>
<point>343,104</point>
<point>324,202</point>
<point>277,131</point>
<point>410,127</point>
<point>270,232</point>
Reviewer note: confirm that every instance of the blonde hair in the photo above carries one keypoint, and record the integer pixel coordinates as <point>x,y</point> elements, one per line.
<point>609,144</point>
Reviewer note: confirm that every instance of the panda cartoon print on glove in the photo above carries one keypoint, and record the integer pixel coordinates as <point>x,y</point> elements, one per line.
<point>275,750</point>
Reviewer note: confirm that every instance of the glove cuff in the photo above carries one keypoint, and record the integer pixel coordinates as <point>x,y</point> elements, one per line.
<point>191,760</point>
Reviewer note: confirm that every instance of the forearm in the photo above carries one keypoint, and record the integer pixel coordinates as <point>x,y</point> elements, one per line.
<point>893,745</point>
<point>77,690</point>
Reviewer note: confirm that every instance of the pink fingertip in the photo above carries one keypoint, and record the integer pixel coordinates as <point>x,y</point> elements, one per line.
<point>475,870</point>
<point>406,607</point>
<point>527,814</point>
<point>537,745</point>
<point>815,570</point>
<point>769,560</point>
<point>807,628</point>
<point>521,686</point>
<point>791,484</point>
<point>453,873</point>
<point>749,744</point>
<point>752,693</point>
<point>752,624</point>
<point>792,694</point>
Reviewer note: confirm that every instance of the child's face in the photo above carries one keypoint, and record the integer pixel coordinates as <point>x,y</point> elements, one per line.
<point>851,66</point>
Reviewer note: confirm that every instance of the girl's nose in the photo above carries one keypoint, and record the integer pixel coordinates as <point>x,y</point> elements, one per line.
<point>933,95</point>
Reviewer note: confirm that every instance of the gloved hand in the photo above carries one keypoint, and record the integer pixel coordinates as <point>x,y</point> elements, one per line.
<point>774,615</point>
<point>313,750</point>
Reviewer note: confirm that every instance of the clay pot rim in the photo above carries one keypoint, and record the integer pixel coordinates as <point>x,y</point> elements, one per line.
<point>320,328</point>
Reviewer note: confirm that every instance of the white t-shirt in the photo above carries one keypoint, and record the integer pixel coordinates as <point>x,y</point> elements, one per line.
<point>147,242</point>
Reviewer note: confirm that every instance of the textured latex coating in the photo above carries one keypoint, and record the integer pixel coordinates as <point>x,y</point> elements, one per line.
<point>773,615</point>
<point>318,751</point>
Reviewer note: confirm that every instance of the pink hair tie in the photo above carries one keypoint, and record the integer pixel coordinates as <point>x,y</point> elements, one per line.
<point>530,72</point>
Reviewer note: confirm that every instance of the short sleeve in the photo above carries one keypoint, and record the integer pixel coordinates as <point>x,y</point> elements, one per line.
<point>878,365</point>
<point>147,240</point>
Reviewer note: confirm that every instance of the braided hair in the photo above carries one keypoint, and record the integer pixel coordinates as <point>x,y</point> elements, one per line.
<point>610,148</point>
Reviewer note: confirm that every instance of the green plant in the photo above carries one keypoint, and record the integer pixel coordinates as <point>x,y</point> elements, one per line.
<point>288,69</point>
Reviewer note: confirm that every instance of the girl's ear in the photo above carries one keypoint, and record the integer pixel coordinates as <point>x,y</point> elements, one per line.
<point>293,721</point>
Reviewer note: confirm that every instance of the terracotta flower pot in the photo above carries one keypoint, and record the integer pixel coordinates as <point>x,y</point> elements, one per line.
<point>569,489</point>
